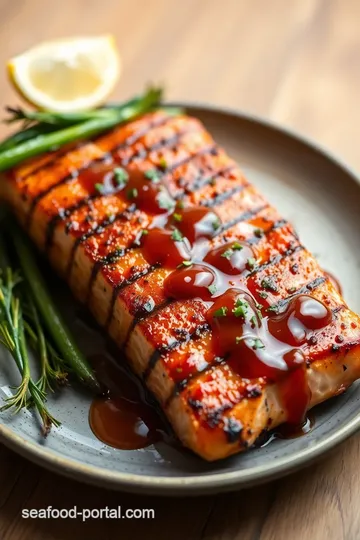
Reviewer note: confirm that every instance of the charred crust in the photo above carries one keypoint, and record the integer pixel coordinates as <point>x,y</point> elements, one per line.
<point>253,391</point>
<point>233,429</point>
<point>219,198</point>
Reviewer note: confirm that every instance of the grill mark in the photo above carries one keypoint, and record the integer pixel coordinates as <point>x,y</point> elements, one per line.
<point>156,355</point>
<point>245,216</point>
<point>276,259</point>
<point>129,141</point>
<point>57,156</point>
<point>62,215</point>
<point>222,197</point>
<point>282,303</point>
<point>124,284</point>
<point>115,291</point>
<point>106,156</point>
<point>311,286</point>
<point>109,221</point>
<point>94,273</point>
<point>180,386</point>
<point>113,256</point>
<point>97,230</point>
<point>141,316</point>
<point>203,181</point>
<point>276,225</point>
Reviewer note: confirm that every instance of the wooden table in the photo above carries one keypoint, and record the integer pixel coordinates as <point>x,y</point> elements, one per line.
<point>296,62</point>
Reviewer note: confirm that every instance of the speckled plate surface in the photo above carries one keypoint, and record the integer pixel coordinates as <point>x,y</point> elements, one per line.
<point>322,198</point>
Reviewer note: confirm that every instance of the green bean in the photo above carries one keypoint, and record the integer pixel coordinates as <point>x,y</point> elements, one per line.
<point>50,315</point>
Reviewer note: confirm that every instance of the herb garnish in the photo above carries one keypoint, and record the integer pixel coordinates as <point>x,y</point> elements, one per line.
<point>258,344</point>
<point>165,201</point>
<point>228,253</point>
<point>132,193</point>
<point>121,176</point>
<point>216,224</point>
<point>100,188</point>
<point>251,263</point>
<point>241,307</point>
<point>212,288</point>
<point>153,175</point>
<point>221,312</point>
<point>177,236</point>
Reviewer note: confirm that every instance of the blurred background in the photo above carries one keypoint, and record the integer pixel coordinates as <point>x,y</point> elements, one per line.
<point>294,61</point>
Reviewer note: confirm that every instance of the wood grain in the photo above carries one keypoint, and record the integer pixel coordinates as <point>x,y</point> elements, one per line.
<point>296,62</point>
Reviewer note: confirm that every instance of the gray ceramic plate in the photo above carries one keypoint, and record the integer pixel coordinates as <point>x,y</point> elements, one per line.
<point>322,198</point>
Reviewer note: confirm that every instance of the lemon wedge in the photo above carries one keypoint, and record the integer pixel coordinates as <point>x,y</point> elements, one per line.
<point>67,75</point>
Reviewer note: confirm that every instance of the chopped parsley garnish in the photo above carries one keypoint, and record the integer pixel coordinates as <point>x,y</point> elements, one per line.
<point>153,175</point>
<point>212,288</point>
<point>121,176</point>
<point>269,284</point>
<point>186,263</point>
<point>177,217</point>
<point>237,246</point>
<point>180,205</point>
<point>263,294</point>
<point>253,321</point>
<point>132,193</point>
<point>238,339</point>
<point>274,309</point>
<point>292,290</point>
<point>221,312</point>
<point>165,201</point>
<point>149,305</point>
<point>251,263</point>
<point>258,233</point>
<point>228,253</point>
<point>100,188</point>
<point>144,232</point>
<point>216,224</point>
<point>258,344</point>
<point>241,307</point>
<point>177,236</point>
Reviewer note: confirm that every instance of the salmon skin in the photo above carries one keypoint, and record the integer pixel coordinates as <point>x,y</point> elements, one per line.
<point>223,313</point>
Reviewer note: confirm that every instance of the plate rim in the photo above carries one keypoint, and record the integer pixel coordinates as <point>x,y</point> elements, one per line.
<point>210,482</point>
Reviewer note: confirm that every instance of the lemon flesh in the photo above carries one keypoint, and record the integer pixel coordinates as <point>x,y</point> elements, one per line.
<point>67,75</point>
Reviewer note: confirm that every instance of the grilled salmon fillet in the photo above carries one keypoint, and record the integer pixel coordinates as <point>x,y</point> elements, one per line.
<point>223,313</point>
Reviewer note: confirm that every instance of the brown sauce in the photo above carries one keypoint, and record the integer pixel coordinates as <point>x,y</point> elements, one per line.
<point>255,343</point>
<point>123,417</point>
<point>288,431</point>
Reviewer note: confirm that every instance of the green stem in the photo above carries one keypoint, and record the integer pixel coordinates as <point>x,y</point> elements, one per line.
<point>50,315</point>
<point>65,119</point>
<point>25,135</point>
<point>45,142</point>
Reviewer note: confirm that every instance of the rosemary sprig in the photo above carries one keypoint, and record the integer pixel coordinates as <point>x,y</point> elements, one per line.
<point>50,374</point>
<point>50,315</point>
<point>12,336</point>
